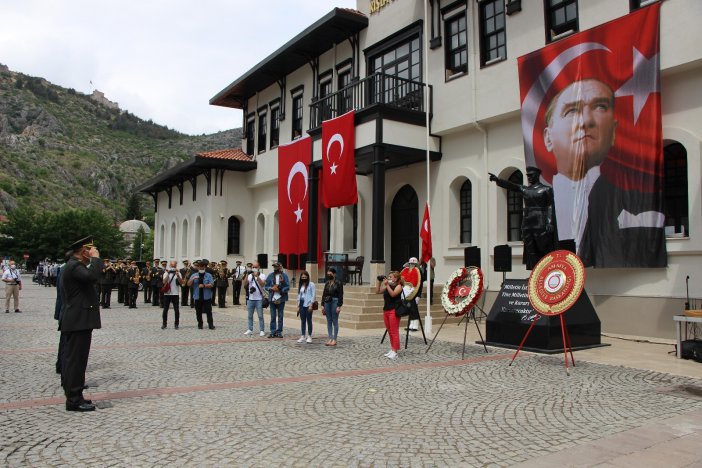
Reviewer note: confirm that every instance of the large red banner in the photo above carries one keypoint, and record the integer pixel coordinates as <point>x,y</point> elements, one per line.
<point>339,162</point>
<point>293,195</point>
<point>591,121</point>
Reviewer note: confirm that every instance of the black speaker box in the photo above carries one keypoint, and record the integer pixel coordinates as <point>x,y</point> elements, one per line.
<point>262,260</point>
<point>503,258</point>
<point>471,256</point>
<point>283,260</point>
<point>293,262</point>
<point>303,261</point>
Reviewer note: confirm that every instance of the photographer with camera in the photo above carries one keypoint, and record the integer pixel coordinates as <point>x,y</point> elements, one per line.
<point>202,283</point>
<point>277,285</point>
<point>254,281</point>
<point>332,300</point>
<point>391,289</point>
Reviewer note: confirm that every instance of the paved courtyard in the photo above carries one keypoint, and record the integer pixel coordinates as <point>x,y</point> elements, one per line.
<point>192,397</point>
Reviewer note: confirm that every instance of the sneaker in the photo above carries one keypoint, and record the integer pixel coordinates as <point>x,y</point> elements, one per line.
<point>309,339</point>
<point>302,339</point>
<point>262,333</point>
<point>248,332</point>
<point>391,355</point>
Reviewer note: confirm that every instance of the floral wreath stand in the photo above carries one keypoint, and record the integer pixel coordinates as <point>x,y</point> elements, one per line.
<point>459,298</point>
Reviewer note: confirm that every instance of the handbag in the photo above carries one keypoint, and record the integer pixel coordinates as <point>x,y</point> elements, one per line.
<point>167,284</point>
<point>315,305</point>
<point>264,302</point>
<point>403,307</point>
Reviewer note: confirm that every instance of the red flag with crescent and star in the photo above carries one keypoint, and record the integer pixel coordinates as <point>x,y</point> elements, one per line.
<point>339,162</point>
<point>425,235</point>
<point>591,121</point>
<point>293,195</point>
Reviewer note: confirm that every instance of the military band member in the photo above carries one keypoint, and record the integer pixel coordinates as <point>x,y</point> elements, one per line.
<point>161,271</point>
<point>213,269</point>
<point>122,283</point>
<point>237,278</point>
<point>222,281</point>
<point>133,284</point>
<point>107,280</point>
<point>184,290</point>
<point>154,282</point>
<point>193,270</point>
<point>146,282</point>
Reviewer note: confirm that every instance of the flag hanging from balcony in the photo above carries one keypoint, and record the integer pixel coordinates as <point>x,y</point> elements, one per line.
<point>293,195</point>
<point>425,235</point>
<point>339,161</point>
<point>591,121</point>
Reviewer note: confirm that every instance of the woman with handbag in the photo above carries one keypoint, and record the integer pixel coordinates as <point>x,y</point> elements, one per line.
<point>391,288</point>
<point>306,306</point>
<point>332,299</point>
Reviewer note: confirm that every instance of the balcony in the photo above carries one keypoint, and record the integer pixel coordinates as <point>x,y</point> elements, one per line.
<point>400,97</point>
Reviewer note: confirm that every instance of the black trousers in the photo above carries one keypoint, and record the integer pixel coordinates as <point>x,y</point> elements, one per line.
<point>75,361</point>
<point>132,294</point>
<point>214,295</point>
<point>121,289</point>
<point>222,296</point>
<point>155,294</point>
<point>184,295</point>
<point>236,285</point>
<point>168,300</point>
<point>147,293</point>
<point>105,294</point>
<point>203,307</point>
<point>60,356</point>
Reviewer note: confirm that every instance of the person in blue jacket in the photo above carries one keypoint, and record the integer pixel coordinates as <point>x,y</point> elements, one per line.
<point>201,283</point>
<point>277,285</point>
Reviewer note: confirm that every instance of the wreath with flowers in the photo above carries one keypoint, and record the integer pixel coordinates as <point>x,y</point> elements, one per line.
<point>462,290</point>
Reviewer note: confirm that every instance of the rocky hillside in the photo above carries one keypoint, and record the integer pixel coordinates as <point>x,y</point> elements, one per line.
<point>60,148</point>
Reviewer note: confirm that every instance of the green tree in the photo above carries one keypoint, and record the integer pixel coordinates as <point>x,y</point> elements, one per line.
<point>133,207</point>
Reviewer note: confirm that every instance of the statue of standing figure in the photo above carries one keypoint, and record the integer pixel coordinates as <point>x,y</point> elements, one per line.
<point>539,232</point>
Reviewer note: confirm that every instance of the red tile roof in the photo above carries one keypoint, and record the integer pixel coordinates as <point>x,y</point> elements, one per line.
<point>3,219</point>
<point>234,154</point>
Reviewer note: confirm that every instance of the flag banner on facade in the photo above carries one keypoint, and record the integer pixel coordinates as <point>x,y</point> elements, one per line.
<point>339,161</point>
<point>293,195</point>
<point>591,121</point>
<point>425,235</point>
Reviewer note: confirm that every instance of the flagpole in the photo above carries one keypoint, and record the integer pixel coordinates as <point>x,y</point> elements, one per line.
<point>427,318</point>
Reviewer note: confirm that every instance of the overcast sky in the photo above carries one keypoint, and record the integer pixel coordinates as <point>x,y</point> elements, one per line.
<point>161,60</point>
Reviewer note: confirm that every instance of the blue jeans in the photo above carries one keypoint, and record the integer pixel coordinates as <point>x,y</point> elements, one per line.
<point>305,319</point>
<point>277,318</point>
<point>332,318</point>
<point>258,305</point>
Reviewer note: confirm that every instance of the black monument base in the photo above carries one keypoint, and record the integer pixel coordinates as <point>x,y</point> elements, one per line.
<point>512,314</point>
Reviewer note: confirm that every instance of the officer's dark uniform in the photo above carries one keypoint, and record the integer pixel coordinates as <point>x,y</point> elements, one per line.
<point>222,282</point>
<point>184,290</point>
<point>122,283</point>
<point>155,280</point>
<point>107,280</point>
<point>146,283</point>
<point>133,286</point>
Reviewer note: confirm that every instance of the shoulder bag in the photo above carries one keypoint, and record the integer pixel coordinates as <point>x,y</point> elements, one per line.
<point>403,307</point>
<point>264,302</point>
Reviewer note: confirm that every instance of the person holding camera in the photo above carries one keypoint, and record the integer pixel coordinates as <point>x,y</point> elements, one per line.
<point>13,285</point>
<point>391,288</point>
<point>172,279</point>
<point>332,300</point>
<point>254,280</point>
<point>202,283</point>
<point>306,293</point>
<point>277,285</point>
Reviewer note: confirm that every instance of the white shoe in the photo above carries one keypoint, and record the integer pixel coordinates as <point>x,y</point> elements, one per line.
<point>262,333</point>
<point>387,354</point>
<point>309,339</point>
<point>391,355</point>
<point>302,339</point>
<point>248,332</point>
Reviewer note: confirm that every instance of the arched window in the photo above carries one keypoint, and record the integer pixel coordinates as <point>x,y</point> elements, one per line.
<point>351,227</point>
<point>184,239</point>
<point>260,231</point>
<point>162,242</point>
<point>675,202</point>
<point>466,197</point>
<point>233,232</point>
<point>198,236</point>
<point>514,209</point>
<point>173,240</point>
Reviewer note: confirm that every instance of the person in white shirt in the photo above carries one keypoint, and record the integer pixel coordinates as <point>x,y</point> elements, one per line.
<point>306,294</point>
<point>174,280</point>
<point>237,278</point>
<point>13,285</point>
<point>254,282</point>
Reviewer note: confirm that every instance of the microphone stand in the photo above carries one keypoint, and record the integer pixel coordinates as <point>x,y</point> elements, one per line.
<point>687,287</point>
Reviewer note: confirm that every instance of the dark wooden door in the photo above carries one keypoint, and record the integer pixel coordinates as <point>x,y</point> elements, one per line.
<point>404,227</point>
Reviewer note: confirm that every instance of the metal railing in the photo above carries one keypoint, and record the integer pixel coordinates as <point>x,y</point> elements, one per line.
<point>378,88</point>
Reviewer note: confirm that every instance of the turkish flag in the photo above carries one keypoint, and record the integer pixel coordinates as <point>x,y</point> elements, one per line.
<point>425,235</point>
<point>591,121</point>
<point>338,179</point>
<point>293,195</point>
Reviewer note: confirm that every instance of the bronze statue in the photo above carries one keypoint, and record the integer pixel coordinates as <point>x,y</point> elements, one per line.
<point>539,232</point>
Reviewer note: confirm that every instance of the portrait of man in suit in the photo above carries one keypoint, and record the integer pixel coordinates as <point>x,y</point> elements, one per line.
<point>612,227</point>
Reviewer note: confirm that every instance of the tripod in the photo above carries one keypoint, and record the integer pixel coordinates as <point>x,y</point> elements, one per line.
<point>409,318</point>
<point>467,316</point>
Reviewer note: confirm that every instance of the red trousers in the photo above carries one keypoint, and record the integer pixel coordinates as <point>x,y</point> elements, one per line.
<point>392,324</point>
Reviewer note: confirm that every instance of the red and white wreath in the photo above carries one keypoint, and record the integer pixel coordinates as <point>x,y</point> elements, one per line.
<point>462,290</point>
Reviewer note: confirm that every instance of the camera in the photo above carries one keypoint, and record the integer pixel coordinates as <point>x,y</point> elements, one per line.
<point>252,290</point>
<point>381,277</point>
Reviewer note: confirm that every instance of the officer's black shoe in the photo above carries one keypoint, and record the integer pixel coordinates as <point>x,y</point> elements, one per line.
<point>85,406</point>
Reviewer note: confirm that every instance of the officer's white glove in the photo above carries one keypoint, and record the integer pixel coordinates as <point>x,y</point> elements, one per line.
<point>416,299</point>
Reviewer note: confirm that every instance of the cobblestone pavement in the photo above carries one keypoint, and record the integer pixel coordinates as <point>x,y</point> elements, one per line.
<point>194,397</point>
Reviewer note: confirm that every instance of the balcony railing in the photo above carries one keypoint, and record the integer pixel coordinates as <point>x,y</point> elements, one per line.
<point>376,89</point>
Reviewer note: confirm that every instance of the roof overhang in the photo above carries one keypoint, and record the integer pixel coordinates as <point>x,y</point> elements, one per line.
<point>333,28</point>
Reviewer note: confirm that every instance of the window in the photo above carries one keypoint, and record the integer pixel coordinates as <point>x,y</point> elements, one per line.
<point>233,236</point>
<point>514,209</point>
<point>262,128</point>
<point>184,237</point>
<point>275,126</point>
<point>250,134</point>
<point>198,236</point>
<point>297,116</point>
<point>493,39</point>
<point>466,212</point>
<point>675,202</point>
<point>402,61</point>
<point>561,18</point>
<point>344,97</point>
<point>636,4</point>
<point>456,45</point>
<point>325,89</point>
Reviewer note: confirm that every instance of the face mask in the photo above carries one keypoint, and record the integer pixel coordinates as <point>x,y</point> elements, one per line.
<point>201,271</point>
<point>255,270</point>
<point>330,276</point>
<point>303,279</point>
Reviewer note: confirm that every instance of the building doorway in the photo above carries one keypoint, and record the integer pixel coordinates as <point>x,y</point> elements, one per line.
<point>404,227</point>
